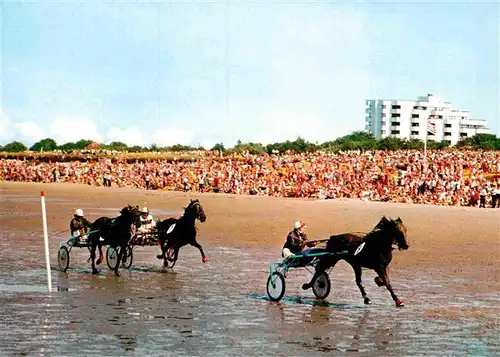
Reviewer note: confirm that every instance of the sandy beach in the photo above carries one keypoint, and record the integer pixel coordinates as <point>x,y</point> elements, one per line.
<point>459,240</point>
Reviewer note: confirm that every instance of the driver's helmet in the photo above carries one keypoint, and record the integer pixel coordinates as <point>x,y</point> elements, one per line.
<point>79,212</point>
<point>299,224</point>
<point>145,211</point>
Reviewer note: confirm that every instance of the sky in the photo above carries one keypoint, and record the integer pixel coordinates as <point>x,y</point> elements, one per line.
<point>199,73</point>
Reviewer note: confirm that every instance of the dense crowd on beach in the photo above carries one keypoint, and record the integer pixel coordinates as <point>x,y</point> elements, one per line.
<point>459,178</point>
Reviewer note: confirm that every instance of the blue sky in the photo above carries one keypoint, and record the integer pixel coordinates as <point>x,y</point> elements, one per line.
<point>205,72</point>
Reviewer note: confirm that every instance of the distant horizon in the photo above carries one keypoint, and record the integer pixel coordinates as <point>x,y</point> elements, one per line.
<point>202,73</point>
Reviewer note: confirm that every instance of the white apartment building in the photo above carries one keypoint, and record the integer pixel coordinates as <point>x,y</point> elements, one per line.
<point>408,119</point>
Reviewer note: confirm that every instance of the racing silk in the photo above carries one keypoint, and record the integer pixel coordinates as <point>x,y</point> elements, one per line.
<point>295,241</point>
<point>78,227</point>
<point>147,224</point>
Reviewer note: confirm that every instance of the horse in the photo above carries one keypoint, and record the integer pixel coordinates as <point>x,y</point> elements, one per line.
<point>174,233</point>
<point>115,232</point>
<point>373,251</point>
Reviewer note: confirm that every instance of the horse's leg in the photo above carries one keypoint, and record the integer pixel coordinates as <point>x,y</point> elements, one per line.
<point>321,267</point>
<point>357,273</point>
<point>204,259</point>
<point>121,252</point>
<point>165,253</point>
<point>378,281</point>
<point>93,246</point>
<point>176,256</point>
<point>162,247</point>
<point>383,273</point>
<point>99,244</point>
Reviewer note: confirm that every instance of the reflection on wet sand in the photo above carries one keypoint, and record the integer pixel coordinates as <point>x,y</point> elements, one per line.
<point>319,314</point>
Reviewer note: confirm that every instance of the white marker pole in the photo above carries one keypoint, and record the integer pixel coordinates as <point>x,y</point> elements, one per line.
<point>46,239</point>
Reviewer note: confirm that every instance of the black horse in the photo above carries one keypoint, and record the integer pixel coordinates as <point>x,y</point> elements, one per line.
<point>175,233</point>
<point>373,251</point>
<point>115,232</point>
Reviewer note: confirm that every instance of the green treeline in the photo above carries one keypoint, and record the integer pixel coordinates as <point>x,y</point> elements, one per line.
<point>358,140</point>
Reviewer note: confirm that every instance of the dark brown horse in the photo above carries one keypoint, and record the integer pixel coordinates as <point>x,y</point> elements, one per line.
<point>175,233</point>
<point>115,232</point>
<point>372,251</point>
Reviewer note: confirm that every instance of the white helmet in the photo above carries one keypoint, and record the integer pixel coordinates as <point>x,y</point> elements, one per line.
<point>145,210</point>
<point>299,224</point>
<point>79,212</point>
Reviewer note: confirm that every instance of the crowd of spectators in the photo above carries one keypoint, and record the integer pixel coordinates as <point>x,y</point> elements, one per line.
<point>458,178</point>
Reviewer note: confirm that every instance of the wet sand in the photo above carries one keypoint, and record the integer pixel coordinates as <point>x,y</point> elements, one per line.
<point>449,280</point>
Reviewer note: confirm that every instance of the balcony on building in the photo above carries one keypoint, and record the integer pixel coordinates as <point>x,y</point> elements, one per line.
<point>483,131</point>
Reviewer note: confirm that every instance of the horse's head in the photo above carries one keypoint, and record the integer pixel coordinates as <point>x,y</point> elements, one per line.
<point>133,214</point>
<point>397,229</point>
<point>194,209</point>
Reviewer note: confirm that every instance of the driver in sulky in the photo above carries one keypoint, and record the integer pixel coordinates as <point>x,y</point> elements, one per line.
<point>148,225</point>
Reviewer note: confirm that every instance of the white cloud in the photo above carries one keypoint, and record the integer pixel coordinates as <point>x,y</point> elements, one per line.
<point>129,136</point>
<point>168,137</point>
<point>26,132</point>
<point>64,130</point>
<point>208,143</point>
<point>72,130</point>
<point>147,136</point>
<point>4,126</point>
<point>29,131</point>
<point>287,125</point>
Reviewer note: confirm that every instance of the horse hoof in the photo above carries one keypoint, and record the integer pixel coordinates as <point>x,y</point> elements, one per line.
<point>368,301</point>
<point>399,303</point>
<point>204,259</point>
<point>379,281</point>
<point>159,256</point>
<point>305,286</point>
<point>117,273</point>
<point>95,271</point>
<point>99,261</point>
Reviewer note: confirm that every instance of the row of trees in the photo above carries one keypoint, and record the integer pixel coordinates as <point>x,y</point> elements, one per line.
<point>49,144</point>
<point>359,140</point>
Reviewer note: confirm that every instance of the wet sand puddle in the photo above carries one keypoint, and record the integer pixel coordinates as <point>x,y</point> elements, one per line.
<point>221,309</point>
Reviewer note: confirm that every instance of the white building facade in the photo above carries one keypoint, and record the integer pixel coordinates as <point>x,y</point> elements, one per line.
<point>408,119</point>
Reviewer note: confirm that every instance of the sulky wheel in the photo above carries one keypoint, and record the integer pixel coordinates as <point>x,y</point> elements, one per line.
<point>321,286</point>
<point>275,286</point>
<point>128,257</point>
<point>63,258</point>
<point>112,258</point>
